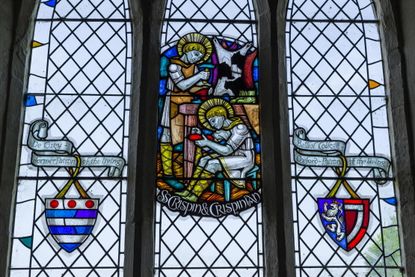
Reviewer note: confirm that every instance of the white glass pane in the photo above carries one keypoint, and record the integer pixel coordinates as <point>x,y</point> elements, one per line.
<point>344,201</point>
<point>69,217</point>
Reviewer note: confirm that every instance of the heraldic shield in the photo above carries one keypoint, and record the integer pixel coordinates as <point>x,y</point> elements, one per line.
<point>345,220</point>
<point>70,218</point>
<point>71,221</point>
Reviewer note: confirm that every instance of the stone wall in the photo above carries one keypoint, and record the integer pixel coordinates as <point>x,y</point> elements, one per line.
<point>405,17</point>
<point>8,15</point>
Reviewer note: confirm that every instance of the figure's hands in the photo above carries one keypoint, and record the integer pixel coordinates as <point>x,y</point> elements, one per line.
<point>220,134</point>
<point>245,49</point>
<point>196,135</point>
<point>203,84</point>
<point>203,142</point>
<point>204,75</point>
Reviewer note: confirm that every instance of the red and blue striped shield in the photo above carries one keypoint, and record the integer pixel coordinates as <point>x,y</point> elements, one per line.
<point>71,221</point>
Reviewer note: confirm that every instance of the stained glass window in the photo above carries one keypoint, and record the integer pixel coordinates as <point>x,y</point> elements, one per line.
<point>208,212</point>
<point>70,203</point>
<point>344,201</point>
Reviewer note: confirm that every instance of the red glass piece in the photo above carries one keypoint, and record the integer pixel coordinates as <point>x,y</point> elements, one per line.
<point>72,204</point>
<point>194,137</point>
<point>54,204</point>
<point>89,204</point>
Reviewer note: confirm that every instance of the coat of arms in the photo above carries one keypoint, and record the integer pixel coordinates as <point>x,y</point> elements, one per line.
<point>345,220</point>
<point>70,220</point>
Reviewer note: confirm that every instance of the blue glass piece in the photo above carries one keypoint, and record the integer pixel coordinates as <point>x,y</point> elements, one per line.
<point>207,132</point>
<point>172,52</point>
<point>256,74</point>
<point>258,147</point>
<point>220,176</point>
<point>84,230</point>
<point>175,184</point>
<point>164,65</point>
<point>206,65</point>
<point>62,230</point>
<point>70,230</point>
<point>232,45</point>
<point>60,213</point>
<point>30,100</point>
<point>159,131</point>
<point>86,214</point>
<point>252,174</point>
<point>162,89</point>
<point>51,3</point>
<point>178,147</point>
<point>71,213</point>
<point>27,241</point>
<point>69,247</point>
<point>227,190</point>
<point>256,63</point>
<point>226,187</point>
<point>391,201</point>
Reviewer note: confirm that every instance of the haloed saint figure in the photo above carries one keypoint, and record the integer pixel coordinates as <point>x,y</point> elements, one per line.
<point>209,150</point>
<point>184,79</point>
<point>230,152</point>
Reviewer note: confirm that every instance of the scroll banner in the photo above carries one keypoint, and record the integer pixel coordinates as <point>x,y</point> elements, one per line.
<point>55,153</point>
<point>319,153</point>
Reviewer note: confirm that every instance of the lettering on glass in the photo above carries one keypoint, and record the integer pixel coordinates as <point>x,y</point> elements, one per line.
<point>209,136</point>
<point>69,213</point>
<point>345,209</point>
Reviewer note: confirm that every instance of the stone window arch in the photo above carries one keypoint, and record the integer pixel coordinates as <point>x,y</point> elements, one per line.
<point>77,93</point>
<point>279,250</point>
<point>332,13</point>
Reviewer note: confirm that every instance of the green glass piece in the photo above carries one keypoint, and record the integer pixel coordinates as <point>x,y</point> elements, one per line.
<point>27,241</point>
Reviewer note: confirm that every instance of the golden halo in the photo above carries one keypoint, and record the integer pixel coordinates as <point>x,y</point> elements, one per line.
<point>195,41</point>
<point>208,105</point>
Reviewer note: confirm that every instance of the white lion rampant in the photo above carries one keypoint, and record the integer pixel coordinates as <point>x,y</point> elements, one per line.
<point>333,213</point>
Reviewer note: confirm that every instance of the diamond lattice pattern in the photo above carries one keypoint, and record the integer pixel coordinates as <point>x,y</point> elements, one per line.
<point>331,10</point>
<point>86,9</point>
<point>79,80</point>
<point>329,67</point>
<point>194,246</point>
<point>197,246</point>
<point>210,9</point>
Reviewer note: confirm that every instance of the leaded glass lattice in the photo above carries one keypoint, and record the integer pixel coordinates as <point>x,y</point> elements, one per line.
<point>344,201</point>
<point>70,205</point>
<point>208,212</point>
